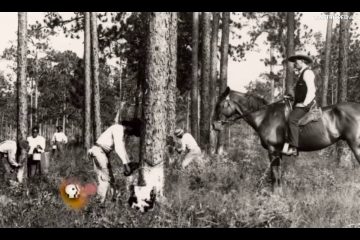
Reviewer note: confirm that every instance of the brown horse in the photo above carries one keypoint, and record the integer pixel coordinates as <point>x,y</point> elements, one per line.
<point>338,122</point>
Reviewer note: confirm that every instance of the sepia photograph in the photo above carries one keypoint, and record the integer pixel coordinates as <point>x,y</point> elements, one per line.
<point>180,120</point>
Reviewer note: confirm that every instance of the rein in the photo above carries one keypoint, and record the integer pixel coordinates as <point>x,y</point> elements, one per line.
<point>244,115</point>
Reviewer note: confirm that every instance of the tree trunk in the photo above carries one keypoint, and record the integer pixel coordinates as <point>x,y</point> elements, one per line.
<point>2,127</point>
<point>290,50</point>
<point>87,110</point>
<point>171,85</point>
<point>95,75</point>
<point>36,99</point>
<point>343,58</point>
<point>213,76</point>
<point>64,117</point>
<point>118,117</point>
<point>224,134</point>
<point>22,107</point>
<point>195,79</point>
<point>160,75</point>
<point>171,103</point>
<point>272,81</point>
<point>31,103</point>
<point>188,110</point>
<point>327,62</point>
<point>205,82</point>
<point>36,103</point>
<point>343,151</point>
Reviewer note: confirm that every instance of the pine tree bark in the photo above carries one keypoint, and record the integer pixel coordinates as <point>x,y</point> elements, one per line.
<point>36,103</point>
<point>290,50</point>
<point>272,81</point>
<point>171,102</point>
<point>95,75</point>
<point>87,90</point>
<point>223,136</point>
<point>31,103</point>
<point>326,75</point>
<point>213,76</point>
<point>22,108</point>
<point>171,86</point>
<point>64,115</point>
<point>205,82</point>
<point>160,92</point>
<point>195,80</point>
<point>36,98</point>
<point>343,152</point>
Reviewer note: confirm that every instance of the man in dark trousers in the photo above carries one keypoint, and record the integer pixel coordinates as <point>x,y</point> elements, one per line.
<point>305,93</point>
<point>113,139</point>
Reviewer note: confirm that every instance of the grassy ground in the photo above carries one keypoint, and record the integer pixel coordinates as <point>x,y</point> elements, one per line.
<point>316,193</point>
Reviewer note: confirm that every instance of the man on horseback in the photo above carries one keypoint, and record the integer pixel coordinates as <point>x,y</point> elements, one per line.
<point>305,91</point>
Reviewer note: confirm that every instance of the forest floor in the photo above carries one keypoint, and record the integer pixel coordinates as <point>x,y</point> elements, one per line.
<point>316,193</point>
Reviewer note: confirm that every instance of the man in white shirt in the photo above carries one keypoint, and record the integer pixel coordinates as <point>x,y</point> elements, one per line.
<point>37,145</point>
<point>58,141</point>
<point>113,139</point>
<point>305,92</point>
<point>8,150</point>
<point>189,146</point>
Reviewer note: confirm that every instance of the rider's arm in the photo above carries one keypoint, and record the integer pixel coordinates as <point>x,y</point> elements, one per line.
<point>309,78</point>
<point>119,144</point>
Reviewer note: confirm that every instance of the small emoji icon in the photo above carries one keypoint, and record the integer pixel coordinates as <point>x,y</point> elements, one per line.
<point>72,190</point>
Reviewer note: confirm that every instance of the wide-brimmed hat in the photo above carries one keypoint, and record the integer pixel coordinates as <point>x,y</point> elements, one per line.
<point>179,132</point>
<point>304,57</point>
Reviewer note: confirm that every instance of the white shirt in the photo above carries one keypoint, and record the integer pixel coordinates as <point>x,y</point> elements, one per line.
<point>34,142</point>
<point>59,137</point>
<point>189,143</point>
<point>309,78</point>
<point>113,138</point>
<point>9,147</point>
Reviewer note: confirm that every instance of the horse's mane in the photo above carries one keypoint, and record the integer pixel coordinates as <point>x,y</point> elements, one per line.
<point>254,102</point>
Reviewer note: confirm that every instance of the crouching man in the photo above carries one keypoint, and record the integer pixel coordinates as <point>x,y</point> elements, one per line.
<point>113,139</point>
<point>8,151</point>
<point>190,147</point>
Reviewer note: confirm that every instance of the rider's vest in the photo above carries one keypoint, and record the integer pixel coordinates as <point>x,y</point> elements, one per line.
<point>300,88</point>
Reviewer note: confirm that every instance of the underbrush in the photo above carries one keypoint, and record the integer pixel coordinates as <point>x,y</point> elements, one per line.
<point>226,193</point>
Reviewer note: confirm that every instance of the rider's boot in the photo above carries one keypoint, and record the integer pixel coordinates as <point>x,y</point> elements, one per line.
<point>290,150</point>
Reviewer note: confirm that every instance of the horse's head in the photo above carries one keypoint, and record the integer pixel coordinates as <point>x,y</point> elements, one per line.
<point>227,106</point>
<point>235,104</point>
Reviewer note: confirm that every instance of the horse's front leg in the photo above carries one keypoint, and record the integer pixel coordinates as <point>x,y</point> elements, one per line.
<point>275,171</point>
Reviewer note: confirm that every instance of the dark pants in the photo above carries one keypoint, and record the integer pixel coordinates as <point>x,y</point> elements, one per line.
<point>7,168</point>
<point>33,166</point>
<point>59,151</point>
<point>294,117</point>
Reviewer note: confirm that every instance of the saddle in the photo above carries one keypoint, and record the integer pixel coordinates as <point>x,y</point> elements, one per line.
<point>313,115</point>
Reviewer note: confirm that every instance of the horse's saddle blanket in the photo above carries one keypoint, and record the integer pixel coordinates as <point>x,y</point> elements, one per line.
<point>313,115</point>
